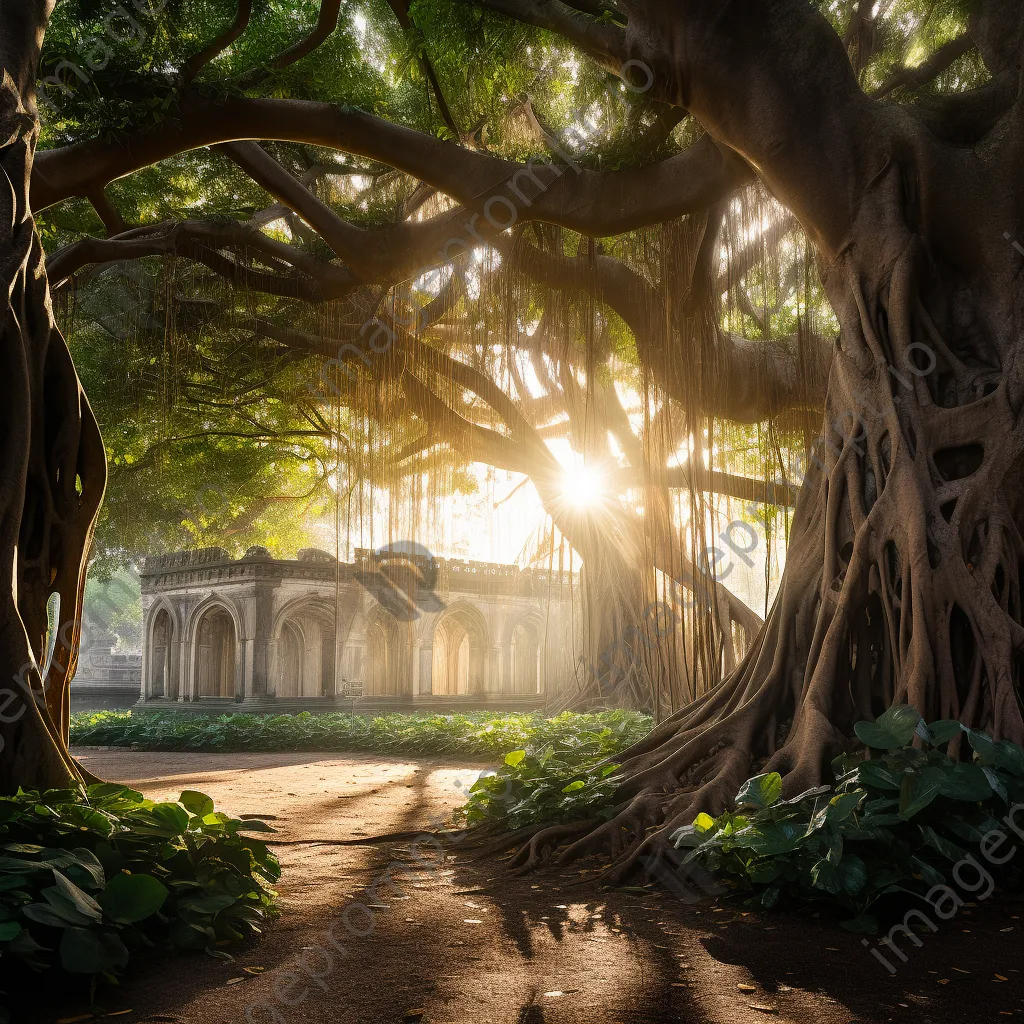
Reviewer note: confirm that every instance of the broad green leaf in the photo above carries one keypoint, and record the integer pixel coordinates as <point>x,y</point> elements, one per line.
<point>918,790</point>
<point>703,822</point>
<point>515,758</point>
<point>966,782</point>
<point>983,746</point>
<point>901,721</point>
<point>173,817</point>
<point>44,913</point>
<point>760,791</point>
<point>1009,757</point>
<point>779,837</point>
<point>949,850</point>
<point>843,806</point>
<point>874,736</point>
<point>207,904</point>
<point>574,787</point>
<point>131,898</point>
<point>8,930</point>
<point>196,803</point>
<point>825,876</point>
<point>944,731</point>
<point>82,901</point>
<point>853,874</point>
<point>878,776</point>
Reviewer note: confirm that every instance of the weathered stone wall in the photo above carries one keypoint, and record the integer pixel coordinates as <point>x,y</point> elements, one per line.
<point>382,631</point>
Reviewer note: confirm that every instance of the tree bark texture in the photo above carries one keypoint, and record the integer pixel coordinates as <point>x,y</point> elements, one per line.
<point>52,465</point>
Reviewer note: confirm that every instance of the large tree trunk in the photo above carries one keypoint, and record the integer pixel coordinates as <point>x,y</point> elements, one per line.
<point>906,561</point>
<point>52,465</point>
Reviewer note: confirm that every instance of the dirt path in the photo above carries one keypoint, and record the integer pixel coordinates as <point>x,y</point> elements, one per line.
<point>461,944</point>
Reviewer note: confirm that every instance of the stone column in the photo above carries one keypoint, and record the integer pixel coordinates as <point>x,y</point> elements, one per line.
<point>259,683</point>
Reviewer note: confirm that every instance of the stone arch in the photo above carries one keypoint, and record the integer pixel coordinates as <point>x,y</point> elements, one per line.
<point>306,649</point>
<point>525,647</point>
<point>460,652</point>
<point>163,635</point>
<point>215,636</point>
<point>385,660</point>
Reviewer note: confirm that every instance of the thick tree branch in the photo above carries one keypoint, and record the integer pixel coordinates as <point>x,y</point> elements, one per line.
<point>220,44</point>
<point>346,240</point>
<point>605,43</point>
<point>326,23</point>
<point>113,222</point>
<point>582,200</point>
<point>941,60</point>
<point>202,241</point>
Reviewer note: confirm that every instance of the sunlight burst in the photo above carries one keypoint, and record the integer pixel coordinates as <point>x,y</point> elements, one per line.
<point>583,486</point>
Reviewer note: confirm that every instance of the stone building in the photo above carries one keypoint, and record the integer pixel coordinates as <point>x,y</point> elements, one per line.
<point>389,631</point>
<point>105,679</point>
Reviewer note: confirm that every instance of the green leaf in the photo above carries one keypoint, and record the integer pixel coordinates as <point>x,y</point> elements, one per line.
<point>771,840</point>
<point>1009,757</point>
<point>919,790</point>
<point>82,901</point>
<point>764,871</point>
<point>853,874</point>
<point>207,904</point>
<point>878,776</point>
<point>943,731</point>
<point>131,898</point>
<point>90,951</point>
<point>44,913</point>
<point>930,874</point>
<point>876,737</point>
<point>967,782</point>
<point>173,816</point>
<point>760,791</point>
<point>901,721</point>
<point>982,745</point>
<point>843,806</point>
<point>8,930</point>
<point>514,758</point>
<point>703,822</point>
<point>574,787</point>
<point>196,803</point>
<point>949,850</point>
<point>825,876</point>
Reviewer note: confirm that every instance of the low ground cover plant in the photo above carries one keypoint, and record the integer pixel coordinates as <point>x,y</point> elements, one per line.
<point>561,775</point>
<point>890,830</point>
<point>89,878</point>
<point>485,735</point>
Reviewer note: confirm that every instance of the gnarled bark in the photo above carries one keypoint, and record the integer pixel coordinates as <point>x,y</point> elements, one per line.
<point>52,466</point>
<point>904,575</point>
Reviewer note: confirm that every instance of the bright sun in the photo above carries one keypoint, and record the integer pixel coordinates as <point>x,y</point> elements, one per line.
<point>583,486</point>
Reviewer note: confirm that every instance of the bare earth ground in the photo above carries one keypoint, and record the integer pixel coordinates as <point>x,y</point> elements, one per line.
<point>461,943</point>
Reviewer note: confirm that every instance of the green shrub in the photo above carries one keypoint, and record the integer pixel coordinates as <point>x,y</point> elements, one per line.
<point>89,878</point>
<point>560,776</point>
<point>484,734</point>
<point>892,826</point>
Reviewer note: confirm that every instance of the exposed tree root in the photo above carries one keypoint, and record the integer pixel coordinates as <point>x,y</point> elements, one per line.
<point>905,579</point>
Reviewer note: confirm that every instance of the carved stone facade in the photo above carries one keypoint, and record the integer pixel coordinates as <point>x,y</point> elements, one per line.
<point>393,631</point>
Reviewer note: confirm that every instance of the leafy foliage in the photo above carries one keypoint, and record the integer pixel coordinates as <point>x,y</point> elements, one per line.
<point>90,879</point>
<point>551,784</point>
<point>474,735</point>
<point>893,825</point>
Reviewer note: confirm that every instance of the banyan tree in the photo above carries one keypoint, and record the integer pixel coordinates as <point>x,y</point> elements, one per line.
<point>453,231</point>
